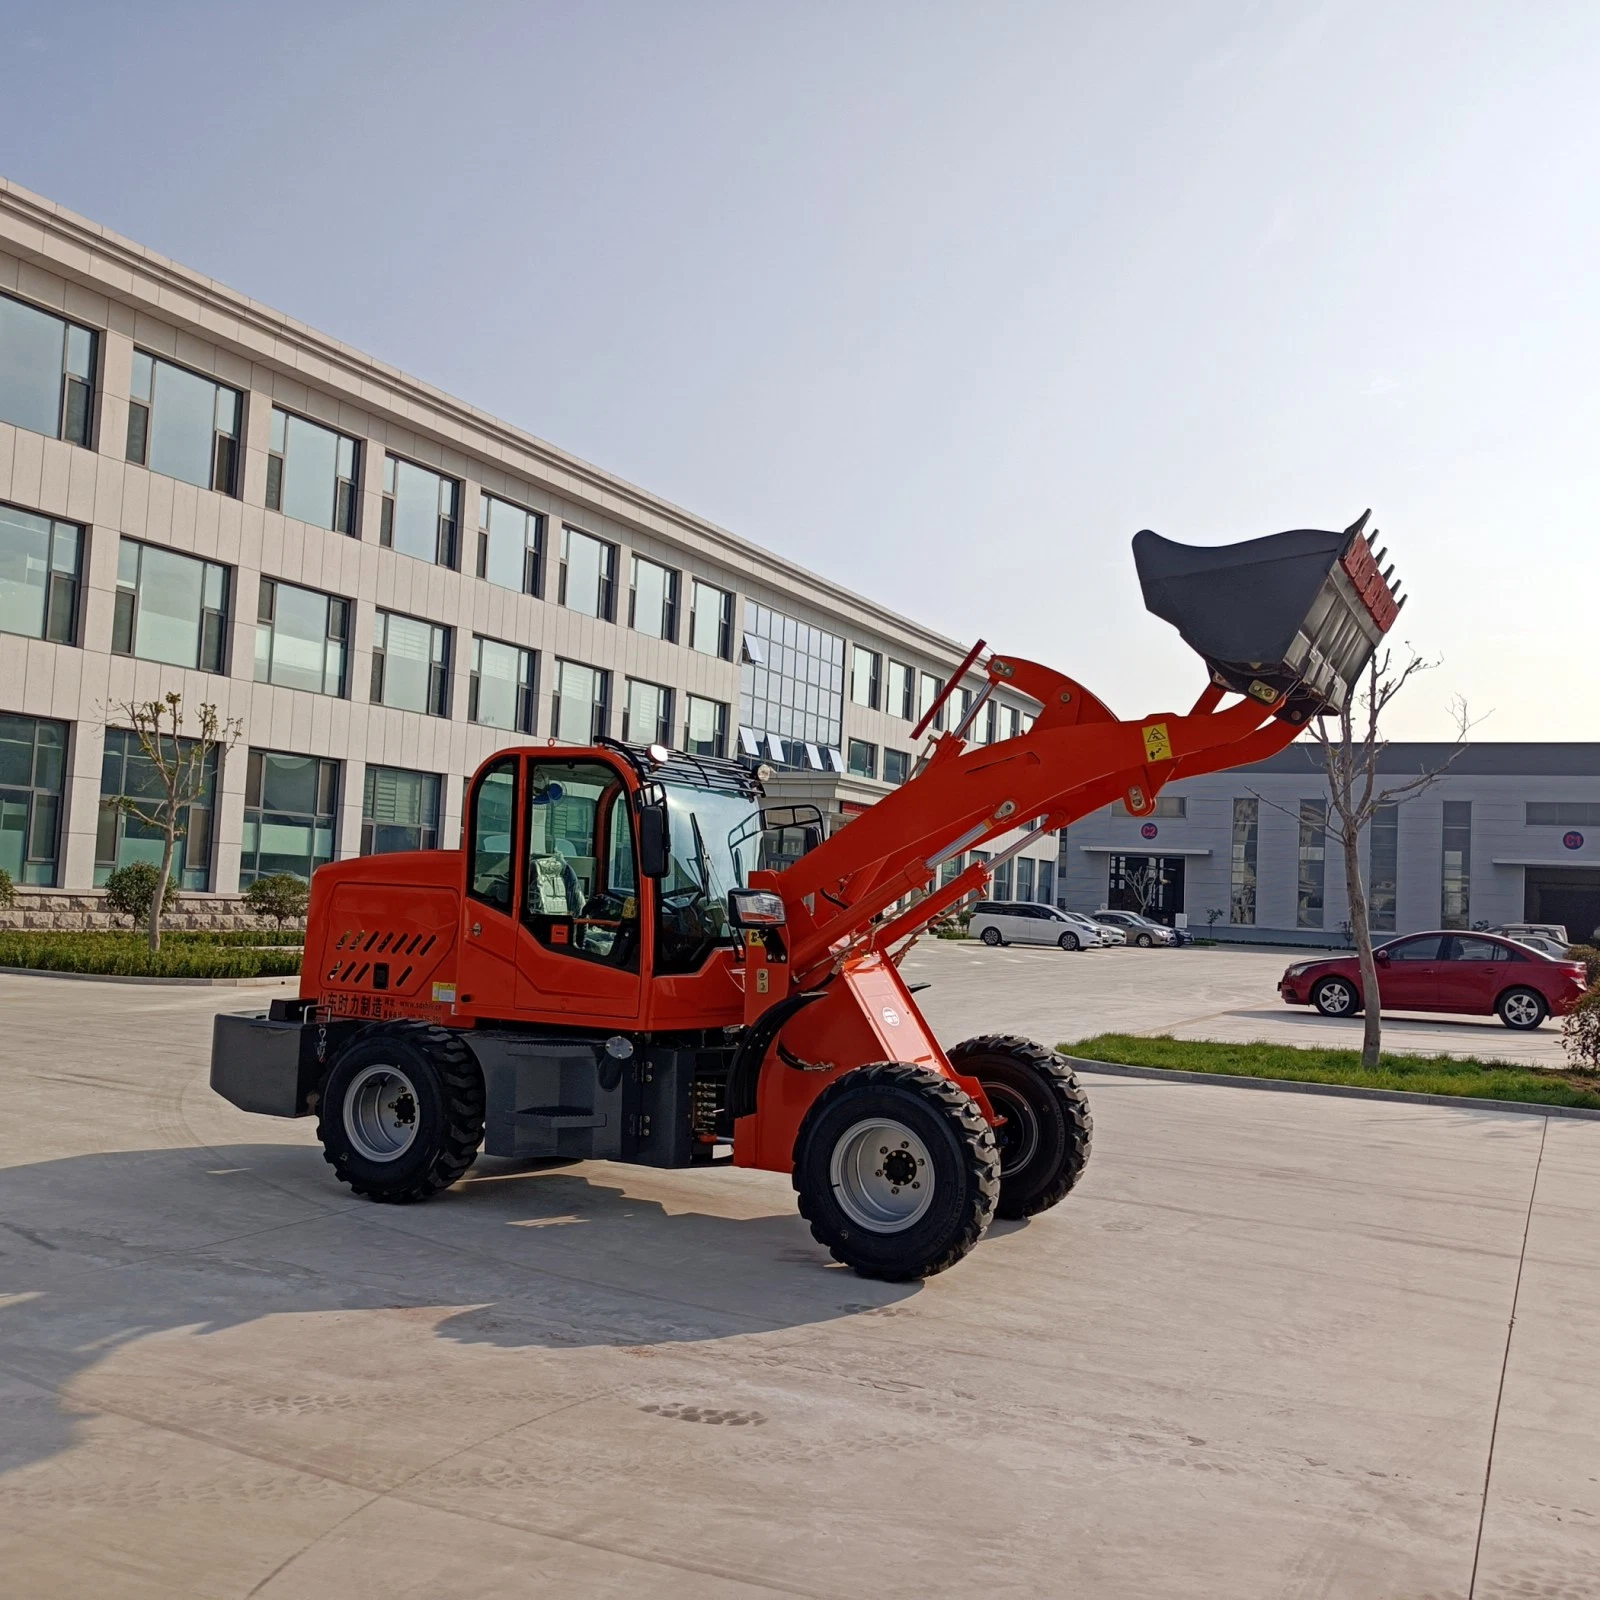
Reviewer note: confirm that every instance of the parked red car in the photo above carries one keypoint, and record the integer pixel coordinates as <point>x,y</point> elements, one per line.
<point>1470,972</point>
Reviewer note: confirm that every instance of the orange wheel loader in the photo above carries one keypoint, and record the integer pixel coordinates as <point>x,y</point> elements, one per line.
<point>611,966</point>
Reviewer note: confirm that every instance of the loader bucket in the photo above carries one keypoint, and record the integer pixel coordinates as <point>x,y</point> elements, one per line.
<point>1292,618</point>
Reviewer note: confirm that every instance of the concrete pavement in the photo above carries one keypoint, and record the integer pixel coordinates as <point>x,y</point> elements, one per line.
<point>1257,1354</point>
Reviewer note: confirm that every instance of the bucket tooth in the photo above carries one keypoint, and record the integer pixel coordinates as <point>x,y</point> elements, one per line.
<point>1293,617</point>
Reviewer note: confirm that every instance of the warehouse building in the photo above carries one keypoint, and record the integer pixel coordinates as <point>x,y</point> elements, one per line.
<point>1508,833</point>
<point>381,583</point>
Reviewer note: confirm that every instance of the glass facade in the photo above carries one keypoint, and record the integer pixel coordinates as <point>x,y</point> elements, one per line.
<point>410,664</point>
<point>311,473</point>
<point>302,638</point>
<point>1313,863</point>
<point>795,695</point>
<point>47,372</point>
<point>582,711</point>
<point>902,687</point>
<point>290,806</point>
<point>647,713</point>
<point>510,545</point>
<point>500,692</point>
<point>865,668</point>
<point>706,727</point>
<point>711,621</point>
<point>183,425</point>
<point>1047,881</point>
<point>399,811</point>
<point>896,766</point>
<point>1383,869</point>
<point>1456,874</point>
<point>588,574</point>
<point>121,839</point>
<point>1562,814</point>
<point>170,607</point>
<point>33,761</point>
<point>863,759</point>
<point>653,600</point>
<point>1242,871</point>
<point>420,510</point>
<point>41,562</point>
<point>1024,866</point>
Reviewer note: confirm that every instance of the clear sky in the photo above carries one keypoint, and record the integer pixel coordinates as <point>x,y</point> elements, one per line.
<point>942,300</point>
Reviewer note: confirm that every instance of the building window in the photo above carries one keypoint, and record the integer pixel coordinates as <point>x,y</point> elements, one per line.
<point>311,473</point>
<point>1010,722</point>
<point>1457,874</point>
<point>901,689</point>
<point>711,621</point>
<point>1313,862</point>
<point>501,689</point>
<point>582,703</point>
<point>1001,882</point>
<point>896,766</point>
<point>1562,814</point>
<point>40,565</point>
<point>588,574</point>
<point>863,761</point>
<point>1384,867</point>
<point>1047,876</point>
<point>399,811</point>
<point>795,694</point>
<point>302,638</point>
<point>169,607</point>
<point>706,729</point>
<point>122,839</point>
<point>510,545</point>
<point>411,664</point>
<point>182,425</point>
<point>1242,881</point>
<point>865,667</point>
<point>647,713</point>
<point>33,762</point>
<point>47,368</point>
<point>653,600</point>
<point>1166,805</point>
<point>1024,878</point>
<point>927,693</point>
<point>290,806</point>
<point>420,508</point>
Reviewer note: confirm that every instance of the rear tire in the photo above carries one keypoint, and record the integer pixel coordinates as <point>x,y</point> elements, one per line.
<point>401,1115</point>
<point>896,1171</point>
<point>991,937</point>
<point>1522,1009</point>
<point>1045,1141</point>
<point>1069,941</point>
<point>1335,997</point>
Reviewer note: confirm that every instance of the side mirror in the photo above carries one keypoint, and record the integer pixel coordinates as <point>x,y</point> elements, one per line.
<point>1381,957</point>
<point>655,849</point>
<point>756,908</point>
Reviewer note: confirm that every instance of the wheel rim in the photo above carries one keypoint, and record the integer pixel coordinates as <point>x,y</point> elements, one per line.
<point>991,936</point>
<point>882,1176</point>
<point>1017,1138</point>
<point>1522,1009</point>
<point>1069,941</point>
<point>380,1112</point>
<point>1144,941</point>
<point>1335,998</point>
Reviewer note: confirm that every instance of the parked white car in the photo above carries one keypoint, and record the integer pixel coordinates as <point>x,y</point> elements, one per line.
<point>1136,929</point>
<point>999,922</point>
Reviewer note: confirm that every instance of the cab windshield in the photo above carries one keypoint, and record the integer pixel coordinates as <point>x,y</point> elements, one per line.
<point>715,841</point>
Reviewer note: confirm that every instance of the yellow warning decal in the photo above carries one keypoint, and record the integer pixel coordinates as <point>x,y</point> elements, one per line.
<point>1157,742</point>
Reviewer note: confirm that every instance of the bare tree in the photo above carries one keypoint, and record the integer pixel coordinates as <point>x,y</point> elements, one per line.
<point>1143,882</point>
<point>179,761</point>
<point>1351,748</point>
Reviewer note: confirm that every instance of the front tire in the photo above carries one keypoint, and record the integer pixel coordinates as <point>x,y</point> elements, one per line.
<point>1144,941</point>
<point>1522,1009</point>
<point>1069,941</point>
<point>1335,997</point>
<point>1045,1140</point>
<point>991,937</point>
<point>401,1115</point>
<point>896,1171</point>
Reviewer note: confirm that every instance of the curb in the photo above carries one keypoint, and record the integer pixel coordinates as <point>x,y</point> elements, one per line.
<point>128,977</point>
<point>1343,1091</point>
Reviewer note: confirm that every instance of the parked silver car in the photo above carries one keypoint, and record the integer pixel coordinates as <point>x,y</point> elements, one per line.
<point>1136,929</point>
<point>999,922</point>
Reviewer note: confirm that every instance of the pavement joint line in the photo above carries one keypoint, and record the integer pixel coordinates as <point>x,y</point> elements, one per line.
<point>1505,1362</point>
<point>1346,1091</point>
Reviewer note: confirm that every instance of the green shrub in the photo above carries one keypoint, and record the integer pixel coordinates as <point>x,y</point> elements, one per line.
<point>128,955</point>
<point>8,890</point>
<point>279,895</point>
<point>130,889</point>
<point>1580,1032</point>
<point>1589,955</point>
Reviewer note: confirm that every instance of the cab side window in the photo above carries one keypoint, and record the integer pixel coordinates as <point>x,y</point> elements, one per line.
<point>493,809</point>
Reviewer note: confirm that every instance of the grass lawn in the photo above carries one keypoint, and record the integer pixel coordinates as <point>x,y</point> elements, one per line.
<point>1482,1080</point>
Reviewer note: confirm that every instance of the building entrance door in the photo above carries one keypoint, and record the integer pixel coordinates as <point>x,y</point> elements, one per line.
<point>1568,895</point>
<point>1150,885</point>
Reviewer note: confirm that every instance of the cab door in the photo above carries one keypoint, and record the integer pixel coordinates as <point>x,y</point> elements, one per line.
<point>487,963</point>
<point>580,936</point>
